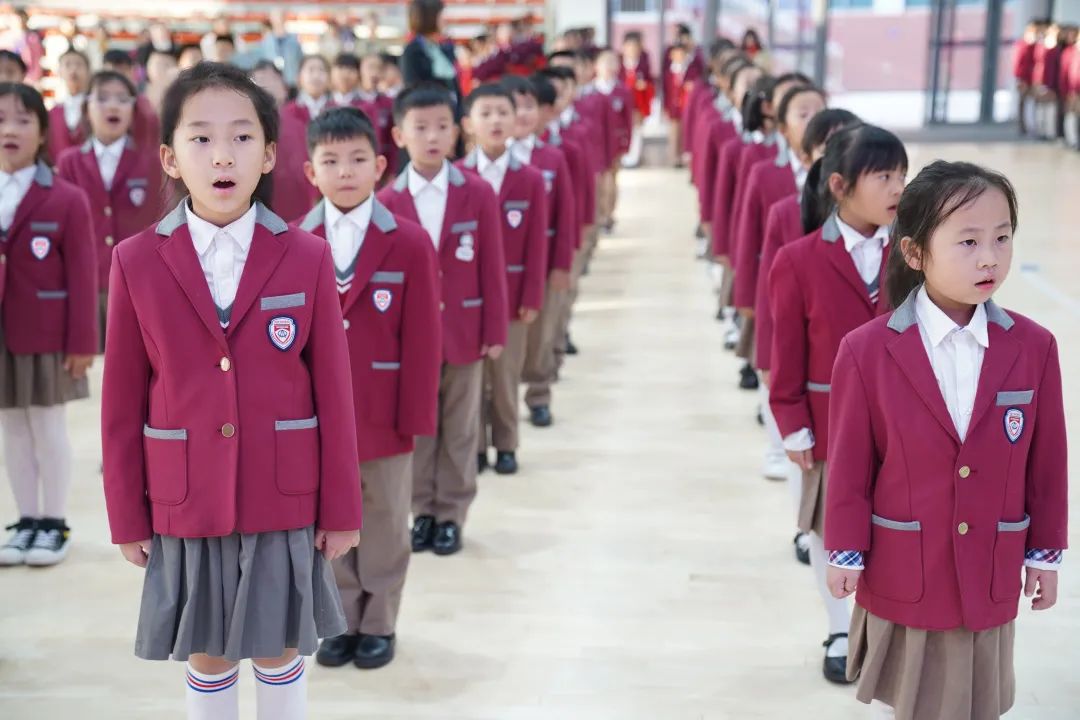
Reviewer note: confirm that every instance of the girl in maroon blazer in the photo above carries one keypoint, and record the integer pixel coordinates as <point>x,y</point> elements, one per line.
<point>48,334</point>
<point>948,463</point>
<point>67,125</point>
<point>313,83</point>
<point>227,421</point>
<point>122,181</point>
<point>821,287</point>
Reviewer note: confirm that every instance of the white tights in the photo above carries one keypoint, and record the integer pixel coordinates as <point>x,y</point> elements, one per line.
<point>837,609</point>
<point>38,458</point>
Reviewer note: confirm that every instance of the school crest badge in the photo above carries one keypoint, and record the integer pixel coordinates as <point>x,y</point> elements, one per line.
<point>40,247</point>
<point>465,252</point>
<point>514,218</point>
<point>616,104</point>
<point>382,299</point>
<point>1014,424</point>
<point>549,181</point>
<point>282,331</point>
<point>137,196</point>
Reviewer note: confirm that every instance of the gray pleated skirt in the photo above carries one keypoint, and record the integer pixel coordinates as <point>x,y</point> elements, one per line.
<point>236,597</point>
<point>37,380</point>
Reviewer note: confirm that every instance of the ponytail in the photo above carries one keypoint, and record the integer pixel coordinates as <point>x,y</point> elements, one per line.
<point>814,203</point>
<point>753,109</point>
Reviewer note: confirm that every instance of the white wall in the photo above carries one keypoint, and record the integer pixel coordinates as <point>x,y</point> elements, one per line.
<point>562,14</point>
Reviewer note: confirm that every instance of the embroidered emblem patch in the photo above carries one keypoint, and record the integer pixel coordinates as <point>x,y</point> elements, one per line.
<point>40,247</point>
<point>1014,424</point>
<point>616,104</point>
<point>465,252</point>
<point>549,181</point>
<point>382,299</point>
<point>514,218</point>
<point>137,195</point>
<point>282,330</point>
<point>466,240</point>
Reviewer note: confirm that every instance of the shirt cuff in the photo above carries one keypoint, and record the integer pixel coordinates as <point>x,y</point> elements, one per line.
<point>1043,559</point>
<point>846,559</point>
<point>799,440</point>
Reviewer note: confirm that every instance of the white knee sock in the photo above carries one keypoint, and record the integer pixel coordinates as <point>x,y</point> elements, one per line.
<point>838,611</point>
<point>281,693</point>
<point>882,711</point>
<point>795,486</point>
<point>213,697</point>
<point>22,469</point>
<point>52,449</point>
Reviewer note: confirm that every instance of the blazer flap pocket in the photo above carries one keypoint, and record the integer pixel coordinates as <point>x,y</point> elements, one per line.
<point>388,278</point>
<point>548,174</point>
<point>467,226</point>
<point>385,366</point>
<point>280,302</point>
<point>818,387</point>
<point>305,424</point>
<point>1015,526</point>
<point>159,434</point>
<point>137,182</point>
<point>1015,397</point>
<point>52,294</point>
<point>895,524</point>
<point>44,226</point>
<point>515,268</point>
<point>472,303</point>
<point>516,205</point>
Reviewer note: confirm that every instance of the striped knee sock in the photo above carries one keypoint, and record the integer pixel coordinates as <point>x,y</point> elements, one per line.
<point>212,697</point>
<point>281,692</point>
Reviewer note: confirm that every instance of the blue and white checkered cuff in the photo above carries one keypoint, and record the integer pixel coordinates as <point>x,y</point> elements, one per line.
<point>1043,559</point>
<point>847,559</point>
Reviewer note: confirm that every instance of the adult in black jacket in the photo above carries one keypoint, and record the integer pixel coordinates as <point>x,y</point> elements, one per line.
<point>425,59</point>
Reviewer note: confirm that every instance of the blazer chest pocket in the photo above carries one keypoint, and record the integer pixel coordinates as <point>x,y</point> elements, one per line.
<point>281,302</point>
<point>894,563</point>
<point>1015,397</point>
<point>296,455</point>
<point>166,465</point>
<point>1009,548</point>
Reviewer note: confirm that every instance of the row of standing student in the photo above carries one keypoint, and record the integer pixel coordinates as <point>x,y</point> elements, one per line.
<point>1046,67</point>
<point>843,267</point>
<point>227,280</point>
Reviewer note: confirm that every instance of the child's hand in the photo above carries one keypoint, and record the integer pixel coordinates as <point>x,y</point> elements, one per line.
<point>136,553</point>
<point>492,352</point>
<point>803,458</point>
<point>841,582</point>
<point>528,315</point>
<point>746,312</point>
<point>77,365</point>
<point>1047,582</point>
<point>560,280</point>
<point>335,543</point>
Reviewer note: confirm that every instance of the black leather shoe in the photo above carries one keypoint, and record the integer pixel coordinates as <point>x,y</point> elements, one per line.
<point>571,348</point>
<point>447,539</point>
<point>835,668</point>
<point>374,651</point>
<point>802,552</point>
<point>336,651</point>
<point>540,416</point>
<point>505,463</point>
<point>481,462</point>
<point>423,533</point>
<point>748,379</point>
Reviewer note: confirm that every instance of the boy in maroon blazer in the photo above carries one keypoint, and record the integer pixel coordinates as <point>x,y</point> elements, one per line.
<point>461,216</point>
<point>66,126</point>
<point>489,117</point>
<point>388,286</point>
<point>621,119</point>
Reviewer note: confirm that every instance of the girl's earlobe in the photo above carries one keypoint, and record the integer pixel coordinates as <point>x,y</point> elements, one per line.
<point>911,252</point>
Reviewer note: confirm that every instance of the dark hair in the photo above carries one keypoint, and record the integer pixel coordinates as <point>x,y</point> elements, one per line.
<point>719,45</point>
<point>632,36</point>
<point>559,72</point>
<point>347,60</point>
<point>225,39</point>
<point>851,152</point>
<point>116,56</point>
<point>683,29</point>
<point>15,58</point>
<point>738,70</point>
<point>210,75</point>
<point>798,77</point>
<point>77,53</point>
<point>546,94</point>
<point>341,123</point>
<point>312,58</point>
<point>267,65</point>
<point>751,34</point>
<point>106,76</point>
<point>153,50</point>
<point>562,55</point>
<point>789,97</point>
<point>732,65</point>
<point>753,109</point>
<point>388,59</point>
<point>939,190</point>
<point>488,90</point>
<point>425,95</point>
<point>515,84</point>
<point>32,101</point>
<point>424,16</point>
<point>824,124</point>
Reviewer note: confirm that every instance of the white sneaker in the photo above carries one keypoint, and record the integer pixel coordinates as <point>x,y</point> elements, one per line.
<point>50,544</point>
<point>776,465</point>
<point>13,552</point>
<point>731,337</point>
<point>702,250</point>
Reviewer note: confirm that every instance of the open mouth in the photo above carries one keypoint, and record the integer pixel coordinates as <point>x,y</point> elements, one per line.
<point>224,184</point>
<point>985,284</point>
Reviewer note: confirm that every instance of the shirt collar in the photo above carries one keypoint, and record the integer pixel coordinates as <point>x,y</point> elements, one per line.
<point>75,99</point>
<point>113,150</point>
<point>483,162</point>
<point>345,98</point>
<point>310,102</point>
<point>242,230</point>
<point>441,182</point>
<point>853,237</point>
<point>23,177</point>
<point>605,86</point>
<point>359,215</point>
<point>939,326</point>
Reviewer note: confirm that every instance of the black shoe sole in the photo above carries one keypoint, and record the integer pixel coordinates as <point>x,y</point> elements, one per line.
<point>443,552</point>
<point>374,663</point>
<point>336,662</point>
<point>802,556</point>
<point>506,471</point>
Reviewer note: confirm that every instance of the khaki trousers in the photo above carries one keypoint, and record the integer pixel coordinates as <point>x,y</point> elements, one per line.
<point>444,466</point>
<point>371,577</point>
<point>540,363</point>
<point>499,406</point>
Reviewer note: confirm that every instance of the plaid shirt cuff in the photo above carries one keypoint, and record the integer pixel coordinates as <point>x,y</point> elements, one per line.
<point>846,559</point>
<point>1043,559</point>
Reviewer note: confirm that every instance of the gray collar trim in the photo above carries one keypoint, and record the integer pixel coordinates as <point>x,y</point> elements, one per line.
<point>177,217</point>
<point>830,231</point>
<point>904,316</point>
<point>316,216</point>
<point>43,176</point>
<point>382,217</point>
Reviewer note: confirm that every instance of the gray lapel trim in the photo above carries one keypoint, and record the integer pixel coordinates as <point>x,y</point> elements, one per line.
<point>471,159</point>
<point>383,218</point>
<point>515,164</point>
<point>86,147</point>
<point>173,220</point>
<point>316,216</point>
<point>43,176</point>
<point>904,316</point>
<point>995,314</point>
<point>538,143</point>
<point>783,159</point>
<point>830,231</point>
<point>456,178</point>
<point>265,216</point>
<point>402,182</point>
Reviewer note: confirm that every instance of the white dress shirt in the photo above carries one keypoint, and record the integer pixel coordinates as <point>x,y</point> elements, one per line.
<point>314,106</point>
<point>13,189</point>
<point>346,231</point>
<point>494,171</point>
<point>73,110</point>
<point>523,148</point>
<point>345,99</point>
<point>604,86</point>
<point>222,252</point>
<point>865,251</point>
<point>956,355</point>
<point>108,159</point>
<point>430,200</point>
<point>798,170</point>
